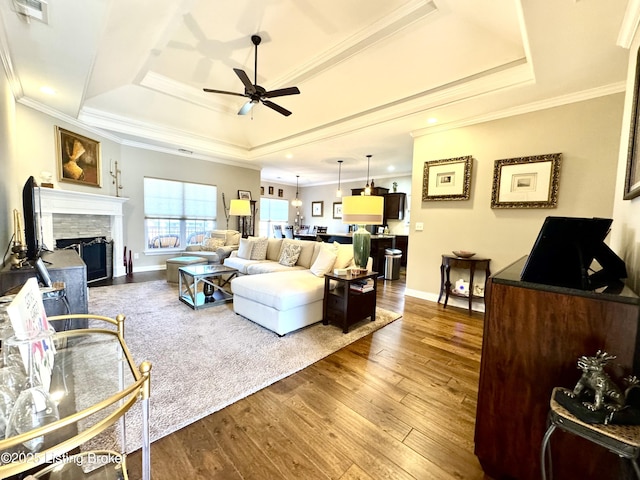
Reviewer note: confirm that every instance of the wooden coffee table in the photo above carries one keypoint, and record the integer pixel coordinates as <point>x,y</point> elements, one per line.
<point>203,285</point>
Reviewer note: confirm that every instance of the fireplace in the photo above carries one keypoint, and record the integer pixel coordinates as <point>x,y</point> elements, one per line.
<point>66,214</point>
<point>95,252</point>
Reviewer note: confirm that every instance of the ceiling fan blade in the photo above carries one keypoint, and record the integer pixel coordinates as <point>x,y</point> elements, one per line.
<point>281,92</point>
<point>211,90</point>
<point>246,108</point>
<point>250,87</point>
<point>277,108</point>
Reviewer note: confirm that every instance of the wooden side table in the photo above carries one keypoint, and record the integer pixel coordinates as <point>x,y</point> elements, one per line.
<point>472,264</point>
<point>346,306</point>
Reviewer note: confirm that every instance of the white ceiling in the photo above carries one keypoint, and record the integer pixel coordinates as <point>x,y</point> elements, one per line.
<point>370,72</point>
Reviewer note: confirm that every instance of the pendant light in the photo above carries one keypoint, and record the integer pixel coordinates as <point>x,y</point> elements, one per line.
<point>296,201</point>
<point>339,192</point>
<point>367,188</point>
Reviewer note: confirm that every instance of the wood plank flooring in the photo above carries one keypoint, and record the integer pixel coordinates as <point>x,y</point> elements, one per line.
<point>397,404</point>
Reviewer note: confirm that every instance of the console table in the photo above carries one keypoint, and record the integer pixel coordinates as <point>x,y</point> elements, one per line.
<point>346,306</point>
<point>472,264</point>
<point>97,382</point>
<point>533,337</point>
<point>63,266</point>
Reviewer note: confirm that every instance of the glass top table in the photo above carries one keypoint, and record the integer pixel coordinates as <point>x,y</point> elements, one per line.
<point>204,285</point>
<point>94,382</point>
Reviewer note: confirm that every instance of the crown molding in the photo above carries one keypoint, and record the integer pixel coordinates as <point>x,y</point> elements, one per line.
<point>630,23</point>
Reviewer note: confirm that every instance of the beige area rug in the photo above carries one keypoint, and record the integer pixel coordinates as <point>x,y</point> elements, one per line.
<point>207,359</point>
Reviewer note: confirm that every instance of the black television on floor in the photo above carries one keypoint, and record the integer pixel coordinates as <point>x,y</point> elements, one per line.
<point>570,252</point>
<point>30,220</point>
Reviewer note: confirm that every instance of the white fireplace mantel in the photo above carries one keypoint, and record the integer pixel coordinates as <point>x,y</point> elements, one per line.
<point>50,201</point>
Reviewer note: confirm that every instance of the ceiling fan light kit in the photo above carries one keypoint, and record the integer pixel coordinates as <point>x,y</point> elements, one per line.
<point>254,92</point>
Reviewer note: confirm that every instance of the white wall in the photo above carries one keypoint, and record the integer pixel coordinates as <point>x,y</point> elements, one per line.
<point>626,213</point>
<point>586,133</point>
<point>10,186</point>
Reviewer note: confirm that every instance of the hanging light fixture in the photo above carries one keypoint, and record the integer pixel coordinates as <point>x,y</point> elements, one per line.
<point>296,201</point>
<point>367,188</point>
<point>339,192</point>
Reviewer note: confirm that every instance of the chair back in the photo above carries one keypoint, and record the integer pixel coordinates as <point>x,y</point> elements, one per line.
<point>322,230</point>
<point>288,231</point>
<point>277,231</point>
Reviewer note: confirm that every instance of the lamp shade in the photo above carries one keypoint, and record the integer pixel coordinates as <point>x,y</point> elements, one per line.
<point>363,210</point>
<point>240,208</point>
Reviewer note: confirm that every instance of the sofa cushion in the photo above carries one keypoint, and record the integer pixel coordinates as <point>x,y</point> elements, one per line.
<point>274,245</point>
<point>267,266</point>
<point>289,254</point>
<point>345,255</point>
<point>212,244</point>
<point>324,261</point>
<point>244,251</point>
<point>259,248</point>
<point>302,288</point>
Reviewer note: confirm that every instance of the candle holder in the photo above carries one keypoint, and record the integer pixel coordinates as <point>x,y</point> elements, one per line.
<point>18,255</point>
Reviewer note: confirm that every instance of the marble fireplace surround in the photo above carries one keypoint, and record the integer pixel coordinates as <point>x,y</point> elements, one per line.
<point>56,201</point>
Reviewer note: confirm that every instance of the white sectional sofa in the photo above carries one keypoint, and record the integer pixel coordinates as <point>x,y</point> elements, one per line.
<point>279,297</point>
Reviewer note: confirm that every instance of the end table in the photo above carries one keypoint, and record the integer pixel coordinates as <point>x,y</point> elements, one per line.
<point>346,306</point>
<point>471,264</point>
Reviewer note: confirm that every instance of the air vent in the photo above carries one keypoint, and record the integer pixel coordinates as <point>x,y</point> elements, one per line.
<point>37,9</point>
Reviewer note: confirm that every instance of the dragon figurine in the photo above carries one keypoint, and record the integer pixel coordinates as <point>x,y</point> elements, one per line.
<point>606,393</point>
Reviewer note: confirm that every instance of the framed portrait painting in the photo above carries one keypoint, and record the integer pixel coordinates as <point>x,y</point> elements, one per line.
<point>317,209</point>
<point>526,182</point>
<point>78,158</point>
<point>447,179</point>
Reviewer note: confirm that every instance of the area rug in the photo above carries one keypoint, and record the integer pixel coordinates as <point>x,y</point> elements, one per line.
<point>207,359</point>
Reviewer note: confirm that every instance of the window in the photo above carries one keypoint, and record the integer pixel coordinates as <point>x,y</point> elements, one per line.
<point>177,213</point>
<point>272,212</point>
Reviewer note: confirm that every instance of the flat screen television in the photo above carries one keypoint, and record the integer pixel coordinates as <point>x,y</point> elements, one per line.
<point>30,219</point>
<point>570,252</point>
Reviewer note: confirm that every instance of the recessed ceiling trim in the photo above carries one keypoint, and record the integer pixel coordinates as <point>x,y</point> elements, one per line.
<point>630,23</point>
<point>5,57</point>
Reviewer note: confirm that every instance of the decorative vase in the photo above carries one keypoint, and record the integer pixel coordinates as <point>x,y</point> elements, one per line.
<point>361,246</point>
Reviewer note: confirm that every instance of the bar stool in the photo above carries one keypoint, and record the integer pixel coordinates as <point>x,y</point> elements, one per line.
<point>623,440</point>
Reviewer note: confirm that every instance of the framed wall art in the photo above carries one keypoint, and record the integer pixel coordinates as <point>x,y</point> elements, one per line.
<point>526,182</point>
<point>317,209</point>
<point>244,194</point>
<point>270,190</point>
<point>280,192</point>
<point>447,179</point>
<point>78,158</point>
<point>632,176</point>
<point>337,209</point>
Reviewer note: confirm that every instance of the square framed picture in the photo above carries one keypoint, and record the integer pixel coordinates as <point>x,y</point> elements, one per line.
<point>447,179</point>
<point>244,194</point>
<point>526,182</point>
<point>317,209</point>
<point>337,209</point>
<point>78,158</point>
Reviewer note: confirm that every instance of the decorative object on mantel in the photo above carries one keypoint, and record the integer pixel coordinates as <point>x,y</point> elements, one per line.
<point>78,158</point>
<point>526,182</point>
<point>395,186</point>
<point>45,179</point>
<point>115,173</point>
<point>447,179</point>
<point>19,248</point>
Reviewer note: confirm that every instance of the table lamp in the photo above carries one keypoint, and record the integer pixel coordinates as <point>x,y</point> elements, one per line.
<point>240,208</point>
<point>362,210</point>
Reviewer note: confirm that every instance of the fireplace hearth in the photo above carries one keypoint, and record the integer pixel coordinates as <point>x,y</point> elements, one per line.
<point>95,252</point>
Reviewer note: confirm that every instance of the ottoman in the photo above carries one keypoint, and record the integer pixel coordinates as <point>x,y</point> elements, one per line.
<point>173,264</point>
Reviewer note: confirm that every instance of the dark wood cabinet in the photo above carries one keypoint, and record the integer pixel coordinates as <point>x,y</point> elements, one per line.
<point>533,337</point>
<point>394,206</point>
<point>374,191</point>
<point>402,244</point>
<point>345,306</point>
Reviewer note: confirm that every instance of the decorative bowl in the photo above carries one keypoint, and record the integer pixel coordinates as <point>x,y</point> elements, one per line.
<point>463,253</point>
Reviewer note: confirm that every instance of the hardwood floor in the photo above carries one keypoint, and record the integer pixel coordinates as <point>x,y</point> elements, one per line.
<point>397,404</point>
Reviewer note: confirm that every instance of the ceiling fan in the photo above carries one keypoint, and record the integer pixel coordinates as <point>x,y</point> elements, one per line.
<point>254,92</point>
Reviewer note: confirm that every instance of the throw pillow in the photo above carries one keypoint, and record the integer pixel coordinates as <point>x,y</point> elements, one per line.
<point>212,244</point>
<point>289,254</point>
<point>244,250</point>
<point>345,255</point>
<point>259,249</point>
<point>324,262</point>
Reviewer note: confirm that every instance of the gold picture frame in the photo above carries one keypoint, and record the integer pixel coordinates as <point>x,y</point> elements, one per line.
<point>526,182</point>
<point>337,210</point>
<point>447,179</point>
<point>78,158</point>
<point>632,175</point>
